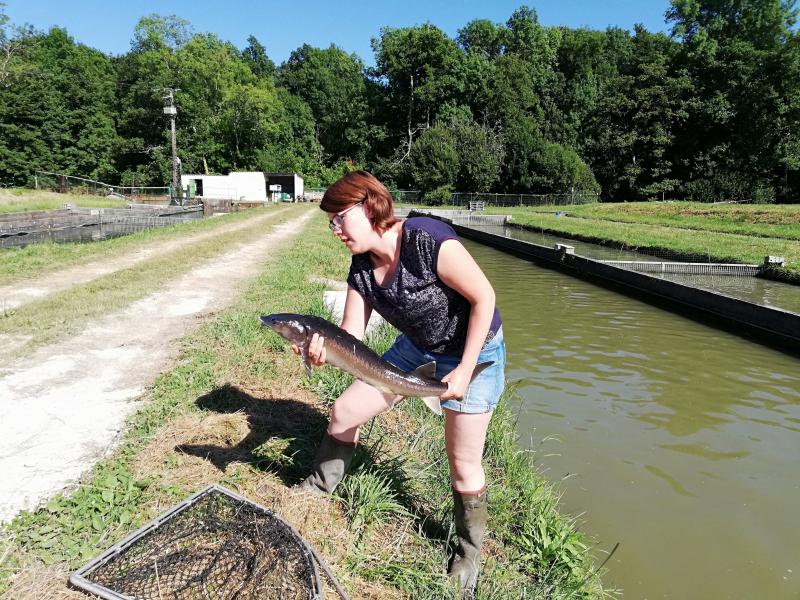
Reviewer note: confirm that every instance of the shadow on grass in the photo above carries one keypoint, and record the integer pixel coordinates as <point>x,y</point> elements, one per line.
<point>283,437</point>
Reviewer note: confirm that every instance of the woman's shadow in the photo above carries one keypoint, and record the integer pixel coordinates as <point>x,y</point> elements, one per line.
<point>283,434</point>
<point>283,438</point>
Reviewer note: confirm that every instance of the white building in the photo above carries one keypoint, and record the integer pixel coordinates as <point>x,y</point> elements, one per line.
<point>234,186</point>
<point>284,186</point>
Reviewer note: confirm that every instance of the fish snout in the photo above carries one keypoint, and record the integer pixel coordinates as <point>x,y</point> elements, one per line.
<point>288,326</point>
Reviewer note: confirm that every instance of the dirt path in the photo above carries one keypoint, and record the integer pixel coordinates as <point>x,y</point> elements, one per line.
<point>22,292</point>
<point>63,405</point>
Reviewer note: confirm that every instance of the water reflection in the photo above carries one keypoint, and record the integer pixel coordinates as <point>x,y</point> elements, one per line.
<point>679,440</point>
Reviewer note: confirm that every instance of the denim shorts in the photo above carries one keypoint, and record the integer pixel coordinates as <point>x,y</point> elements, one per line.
<point>483,393</point>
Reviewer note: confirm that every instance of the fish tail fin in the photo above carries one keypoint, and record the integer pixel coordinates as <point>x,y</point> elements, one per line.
<point>480,368</point>
<point>434,403</point>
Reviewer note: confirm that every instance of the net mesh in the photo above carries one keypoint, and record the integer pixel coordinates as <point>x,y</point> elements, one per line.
<point>218,547</point>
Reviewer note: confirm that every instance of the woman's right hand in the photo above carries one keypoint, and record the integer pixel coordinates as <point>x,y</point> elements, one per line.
<point>316,350</point>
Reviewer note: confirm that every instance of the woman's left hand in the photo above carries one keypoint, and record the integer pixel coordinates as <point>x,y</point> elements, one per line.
<point>457,382</point>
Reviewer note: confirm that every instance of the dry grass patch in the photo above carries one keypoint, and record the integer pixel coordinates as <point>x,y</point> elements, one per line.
<point>43,583</point>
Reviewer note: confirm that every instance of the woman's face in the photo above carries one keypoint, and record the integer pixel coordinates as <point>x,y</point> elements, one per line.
<point>352,227</point>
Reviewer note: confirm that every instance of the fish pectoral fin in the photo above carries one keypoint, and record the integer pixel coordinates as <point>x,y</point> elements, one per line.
<point>427,370</point>
<point>306,360</point>
<point>434,403</point>
<point>480,368</point>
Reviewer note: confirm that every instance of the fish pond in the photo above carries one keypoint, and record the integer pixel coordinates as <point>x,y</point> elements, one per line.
<point>674,438</point>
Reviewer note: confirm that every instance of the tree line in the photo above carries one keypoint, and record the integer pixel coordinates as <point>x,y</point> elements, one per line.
<point>708,112</point>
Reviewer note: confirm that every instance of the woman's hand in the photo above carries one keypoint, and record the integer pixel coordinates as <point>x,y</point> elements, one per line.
<point>457,381</point>
<point>316,350</point>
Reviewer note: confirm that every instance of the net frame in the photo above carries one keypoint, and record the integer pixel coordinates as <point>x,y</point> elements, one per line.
<point>81,578</point>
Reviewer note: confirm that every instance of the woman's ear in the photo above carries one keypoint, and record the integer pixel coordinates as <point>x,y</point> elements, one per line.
<point>367,212</point>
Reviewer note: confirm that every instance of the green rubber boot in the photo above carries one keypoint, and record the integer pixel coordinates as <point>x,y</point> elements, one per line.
<point>332,459</point>
<point>470,513</point>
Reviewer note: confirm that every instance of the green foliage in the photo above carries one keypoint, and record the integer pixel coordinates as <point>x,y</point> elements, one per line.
<point>155,32</point>
<point>527,108</point>
<point>434,159</point>
<point>60,115</point>
<point>333,85</point>
<point>255,56</point>
<point>441,196</point>
<point>367,497</point>
<point>70,528</point>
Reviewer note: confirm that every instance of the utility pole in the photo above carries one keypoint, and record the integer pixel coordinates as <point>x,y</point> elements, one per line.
<point>172,112</point>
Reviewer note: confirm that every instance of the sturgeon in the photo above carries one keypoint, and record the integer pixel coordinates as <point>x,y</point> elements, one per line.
<point>350,354</point>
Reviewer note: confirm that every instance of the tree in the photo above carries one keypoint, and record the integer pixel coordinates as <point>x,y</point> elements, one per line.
<point>482,37</point>
<point>155,32</point>
<point>434,159</point>
<point>739,53</point>
<point>60,116</point>
<point>633,126</point>
<point>333,85</point>
<point>255,56</point>
<point>419,68</point>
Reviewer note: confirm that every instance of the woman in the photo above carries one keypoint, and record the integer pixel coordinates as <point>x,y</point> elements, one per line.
<point>422,280</point>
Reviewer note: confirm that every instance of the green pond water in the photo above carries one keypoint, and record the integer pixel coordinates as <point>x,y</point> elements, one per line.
<point>674,438</point>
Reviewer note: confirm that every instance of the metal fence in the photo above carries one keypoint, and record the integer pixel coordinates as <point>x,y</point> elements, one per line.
<point>489,199</point>
<point>59,182</point>
<point>463,199</point>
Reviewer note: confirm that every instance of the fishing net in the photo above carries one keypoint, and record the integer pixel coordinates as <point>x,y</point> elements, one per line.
<point>214,545</point>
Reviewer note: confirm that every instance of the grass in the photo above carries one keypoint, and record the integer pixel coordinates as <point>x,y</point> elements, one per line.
<point>31,261</point>
<point>21,200</point>
<point>236,409</point>
<point>62,313</point>
<point>677,230</point>
<point>774,221</point>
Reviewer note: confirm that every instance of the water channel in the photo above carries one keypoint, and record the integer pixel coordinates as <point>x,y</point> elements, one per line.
<point>674,438</point>
<point>753,289</point>
<point>95,232</point>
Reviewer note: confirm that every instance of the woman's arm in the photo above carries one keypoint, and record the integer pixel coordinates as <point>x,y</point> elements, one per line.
<point>354,321</point>
<point>356,314</point>
<point>457,269</point>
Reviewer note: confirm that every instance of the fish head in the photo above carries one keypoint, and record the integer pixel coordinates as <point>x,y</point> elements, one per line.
<point>289,326</point>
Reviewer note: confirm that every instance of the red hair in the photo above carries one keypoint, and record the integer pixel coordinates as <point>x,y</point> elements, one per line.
<point>361,186</point>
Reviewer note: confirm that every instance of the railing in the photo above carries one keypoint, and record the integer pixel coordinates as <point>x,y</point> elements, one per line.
<point>469,199</point>
<point>465,199</point>
<point>59,182</point>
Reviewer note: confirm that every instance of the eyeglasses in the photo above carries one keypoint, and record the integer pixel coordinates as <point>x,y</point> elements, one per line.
<point>338,219</point>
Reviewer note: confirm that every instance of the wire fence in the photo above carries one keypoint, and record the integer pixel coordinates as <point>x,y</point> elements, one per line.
<point>71,184</point>
<point>571,199</point>
<point>466,199</point>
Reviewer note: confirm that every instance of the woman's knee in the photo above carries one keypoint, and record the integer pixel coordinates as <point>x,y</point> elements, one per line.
<point>357,405</point>
<point>465,465</point>
<point>343,413</point>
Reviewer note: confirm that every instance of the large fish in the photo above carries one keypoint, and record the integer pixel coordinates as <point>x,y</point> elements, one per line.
<point>348,353</point>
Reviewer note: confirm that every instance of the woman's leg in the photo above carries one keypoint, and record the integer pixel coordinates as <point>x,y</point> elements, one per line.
<point>464,436</point>
<point>357,405</point>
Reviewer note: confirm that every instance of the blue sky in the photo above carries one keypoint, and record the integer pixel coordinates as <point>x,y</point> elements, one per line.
<point>283,26</point>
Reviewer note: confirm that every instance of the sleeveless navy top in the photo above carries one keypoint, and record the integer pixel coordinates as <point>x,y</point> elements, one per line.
<point>431,314</point>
